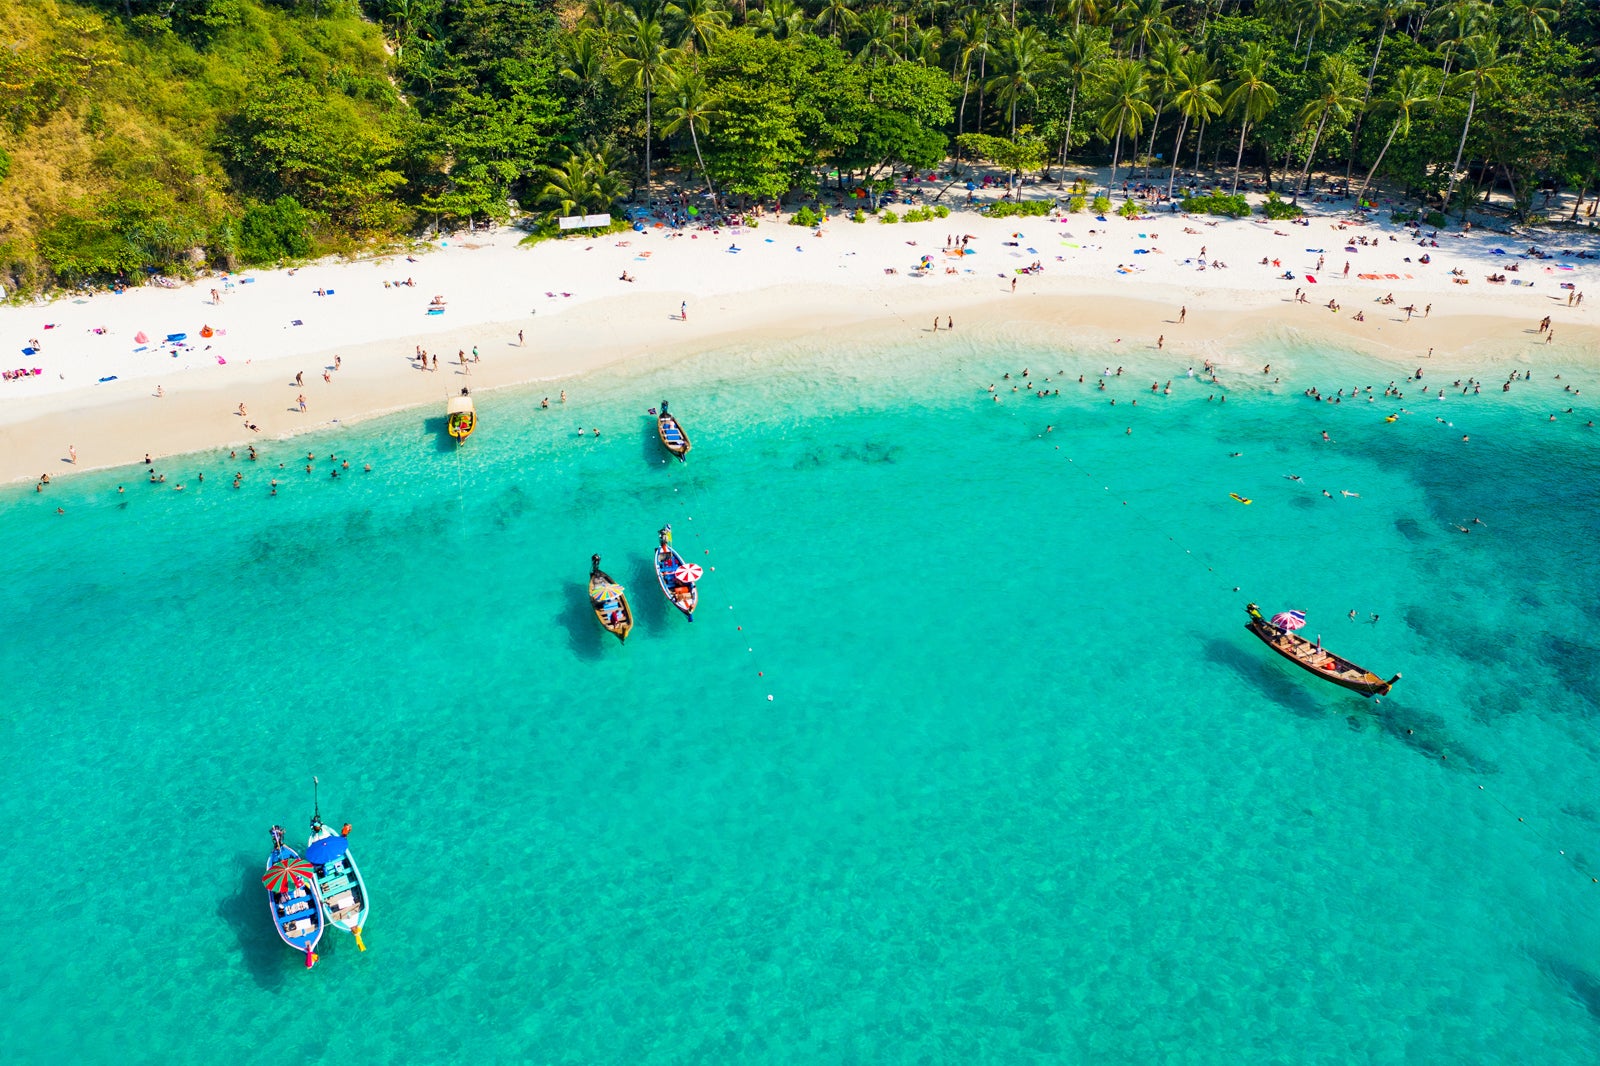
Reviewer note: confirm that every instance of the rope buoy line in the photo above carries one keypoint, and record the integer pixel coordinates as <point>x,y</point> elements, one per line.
<point>1191,553</point>
<point>705,552</point>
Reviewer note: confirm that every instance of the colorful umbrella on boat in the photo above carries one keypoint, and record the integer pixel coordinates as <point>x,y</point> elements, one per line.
<point>281,874</point>
<point>689,573</point>
<point>1289,620</point>
<point>607,592</point>
<point>325,849</point>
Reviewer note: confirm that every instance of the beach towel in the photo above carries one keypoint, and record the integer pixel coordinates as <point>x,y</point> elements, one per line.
<point>431,311</point>
<point>112,377</point>
<point>297,322</point>
<point>29,351</point>
<point>1311,279</point>
<point>1368,277</point>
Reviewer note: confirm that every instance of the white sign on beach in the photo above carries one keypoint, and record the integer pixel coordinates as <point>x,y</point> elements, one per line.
<point>583,221</point>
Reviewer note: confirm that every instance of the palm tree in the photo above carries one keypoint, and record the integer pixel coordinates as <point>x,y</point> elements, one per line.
<point>587,182</point>
<point>1251,97</point>
<point>1388,12</point>
<point>1411,92</point>
<point>1197,96</point>
<point>1315,14</point>
<point>1126,107</point>
<point>1023,59</point>
<point>697,22</point>
<point>1084,53</point>
<point>877,34</point>
<point>1484,74</point>
<point>1338,85</point>
<point>975,33</point>
<point>690,106</point>
<point>644,55</point>
<point>780,19</point>
<point>582,57</point>
<point>836,15</point>
<point>1147,23</point>
<point>1531,19</point>
<point>1162,65</point>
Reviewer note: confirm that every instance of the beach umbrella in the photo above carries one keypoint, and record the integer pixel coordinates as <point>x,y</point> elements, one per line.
<point>323,851</point>
<point>1289,620</point>
<point>688,573</point>
<point>141,337</point>
<point>281,874</point>
<point>606,592</point>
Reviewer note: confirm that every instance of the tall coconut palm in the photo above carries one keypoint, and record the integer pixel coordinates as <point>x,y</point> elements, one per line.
<point>1084,54</point>
<point>696,23</point>
<point>1023,59</point>
<point>1530,19</point>
<point>1485,68</point>
<point>1197,97</point>
<point>1316,14</point>
<point>1161,65</point>
<point>1147,22</point>
<point>781,19</point>
<point>1411,92</point>
<point>689,106</point>
<point>976,34</point>
<point>837,16</point>
<point>876,26</point>
<point>1251,97</point>
<point>1127,107</point>
<point>644,54</point>
<point>1338,95</point>
<point>1387,13</point>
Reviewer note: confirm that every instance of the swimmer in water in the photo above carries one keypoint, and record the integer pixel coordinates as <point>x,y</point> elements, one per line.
<point>1293,477</point>
<point>1347,492</point>
<point>1328,494</point>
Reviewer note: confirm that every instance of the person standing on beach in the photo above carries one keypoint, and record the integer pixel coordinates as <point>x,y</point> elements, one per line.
<point>949,323</point>
<point>683,311</point>
<point>936,323</point>
<point>475,353</point>
<point>336,362</point>
<point>1013,284</point>
<point>72,453</point>
<point>520,342</point>
<point>302,401</point>
<point>1183,313</point>
<point>300,380</point>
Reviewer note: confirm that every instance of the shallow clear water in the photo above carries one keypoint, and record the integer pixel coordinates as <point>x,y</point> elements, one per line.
<point>1025,791</point>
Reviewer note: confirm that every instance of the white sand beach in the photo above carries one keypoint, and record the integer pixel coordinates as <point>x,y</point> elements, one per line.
<point>112,398</point>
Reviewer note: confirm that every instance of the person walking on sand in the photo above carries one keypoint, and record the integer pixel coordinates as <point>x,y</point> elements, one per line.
<point>936,323</point>
<point>72,453</point>
<point>520,342</point>
<point>336,362</point>
<point>475,353</point>
<point>1161,341</point>
<point>302,401</point>
<point>1183,313</point>
<point>949,323</point>
<point>1426,311</point>
<point>1013,284</point>
<point>683,311</point>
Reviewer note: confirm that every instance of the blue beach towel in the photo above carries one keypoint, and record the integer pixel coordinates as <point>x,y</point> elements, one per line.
<point>113,377</point>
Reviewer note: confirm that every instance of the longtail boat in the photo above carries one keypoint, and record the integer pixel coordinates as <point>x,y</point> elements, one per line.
<point>339,883</point>
<point>1314,658</point>
<point>463,417</point>
<point>609,601</point>
<point>679,579</point>
<point>292,898</point>
<point>673,438</point>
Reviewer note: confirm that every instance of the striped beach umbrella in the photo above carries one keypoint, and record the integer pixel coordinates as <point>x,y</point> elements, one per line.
<point>1289,621</point>
<point>285,872</point>
<point>688,573</point>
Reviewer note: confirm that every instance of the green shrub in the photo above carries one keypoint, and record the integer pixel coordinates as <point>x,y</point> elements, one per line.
<point>858,216</point>
<point>887,217</point>
<point>915,214</point>
<point>1077,203</point>
<point>1277,208</point>
<point>804,217</point>
<point>1129,208</point>
<point>1010,208</point>
<point>1436,219</point>
<point>1218,204</point>
<point>941,211</point>
<point>1403,216</point>
<point>1102,204</point>
<point>5,164</point>
<point>270,233</point>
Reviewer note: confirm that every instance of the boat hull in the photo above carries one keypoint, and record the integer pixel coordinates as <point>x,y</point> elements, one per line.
<point>667,561</point>
<point>332,887</point>
<point>462,425</point>
<point>673,438</point>
<point>299,919</point>
<point>1317,661</point>
<point>617,621</point>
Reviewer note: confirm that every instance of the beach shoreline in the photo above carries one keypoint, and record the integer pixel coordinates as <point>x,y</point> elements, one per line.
<point>727,289</point>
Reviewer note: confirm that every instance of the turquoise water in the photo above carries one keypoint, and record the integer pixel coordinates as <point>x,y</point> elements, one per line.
<point>1024,791</point>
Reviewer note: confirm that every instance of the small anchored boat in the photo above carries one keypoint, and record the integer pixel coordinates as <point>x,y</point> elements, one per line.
<point>339,883</point>
<point>679,579</point>
<point>292,898</point>
<point>673,438</point>
<point>463,417</point>
<point>609,601</point>
<point>1278,634</point>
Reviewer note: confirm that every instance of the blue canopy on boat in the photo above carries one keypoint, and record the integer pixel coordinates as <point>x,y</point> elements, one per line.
<point>326,850</point>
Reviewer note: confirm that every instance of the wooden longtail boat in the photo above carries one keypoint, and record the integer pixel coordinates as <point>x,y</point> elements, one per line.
<point>1308,656</point>
<point>339,883</point>
<point>679,579</point>
<point>292,898</point>
<point>609,601</point>
<point>673,438</point>
<point>463,417</point>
